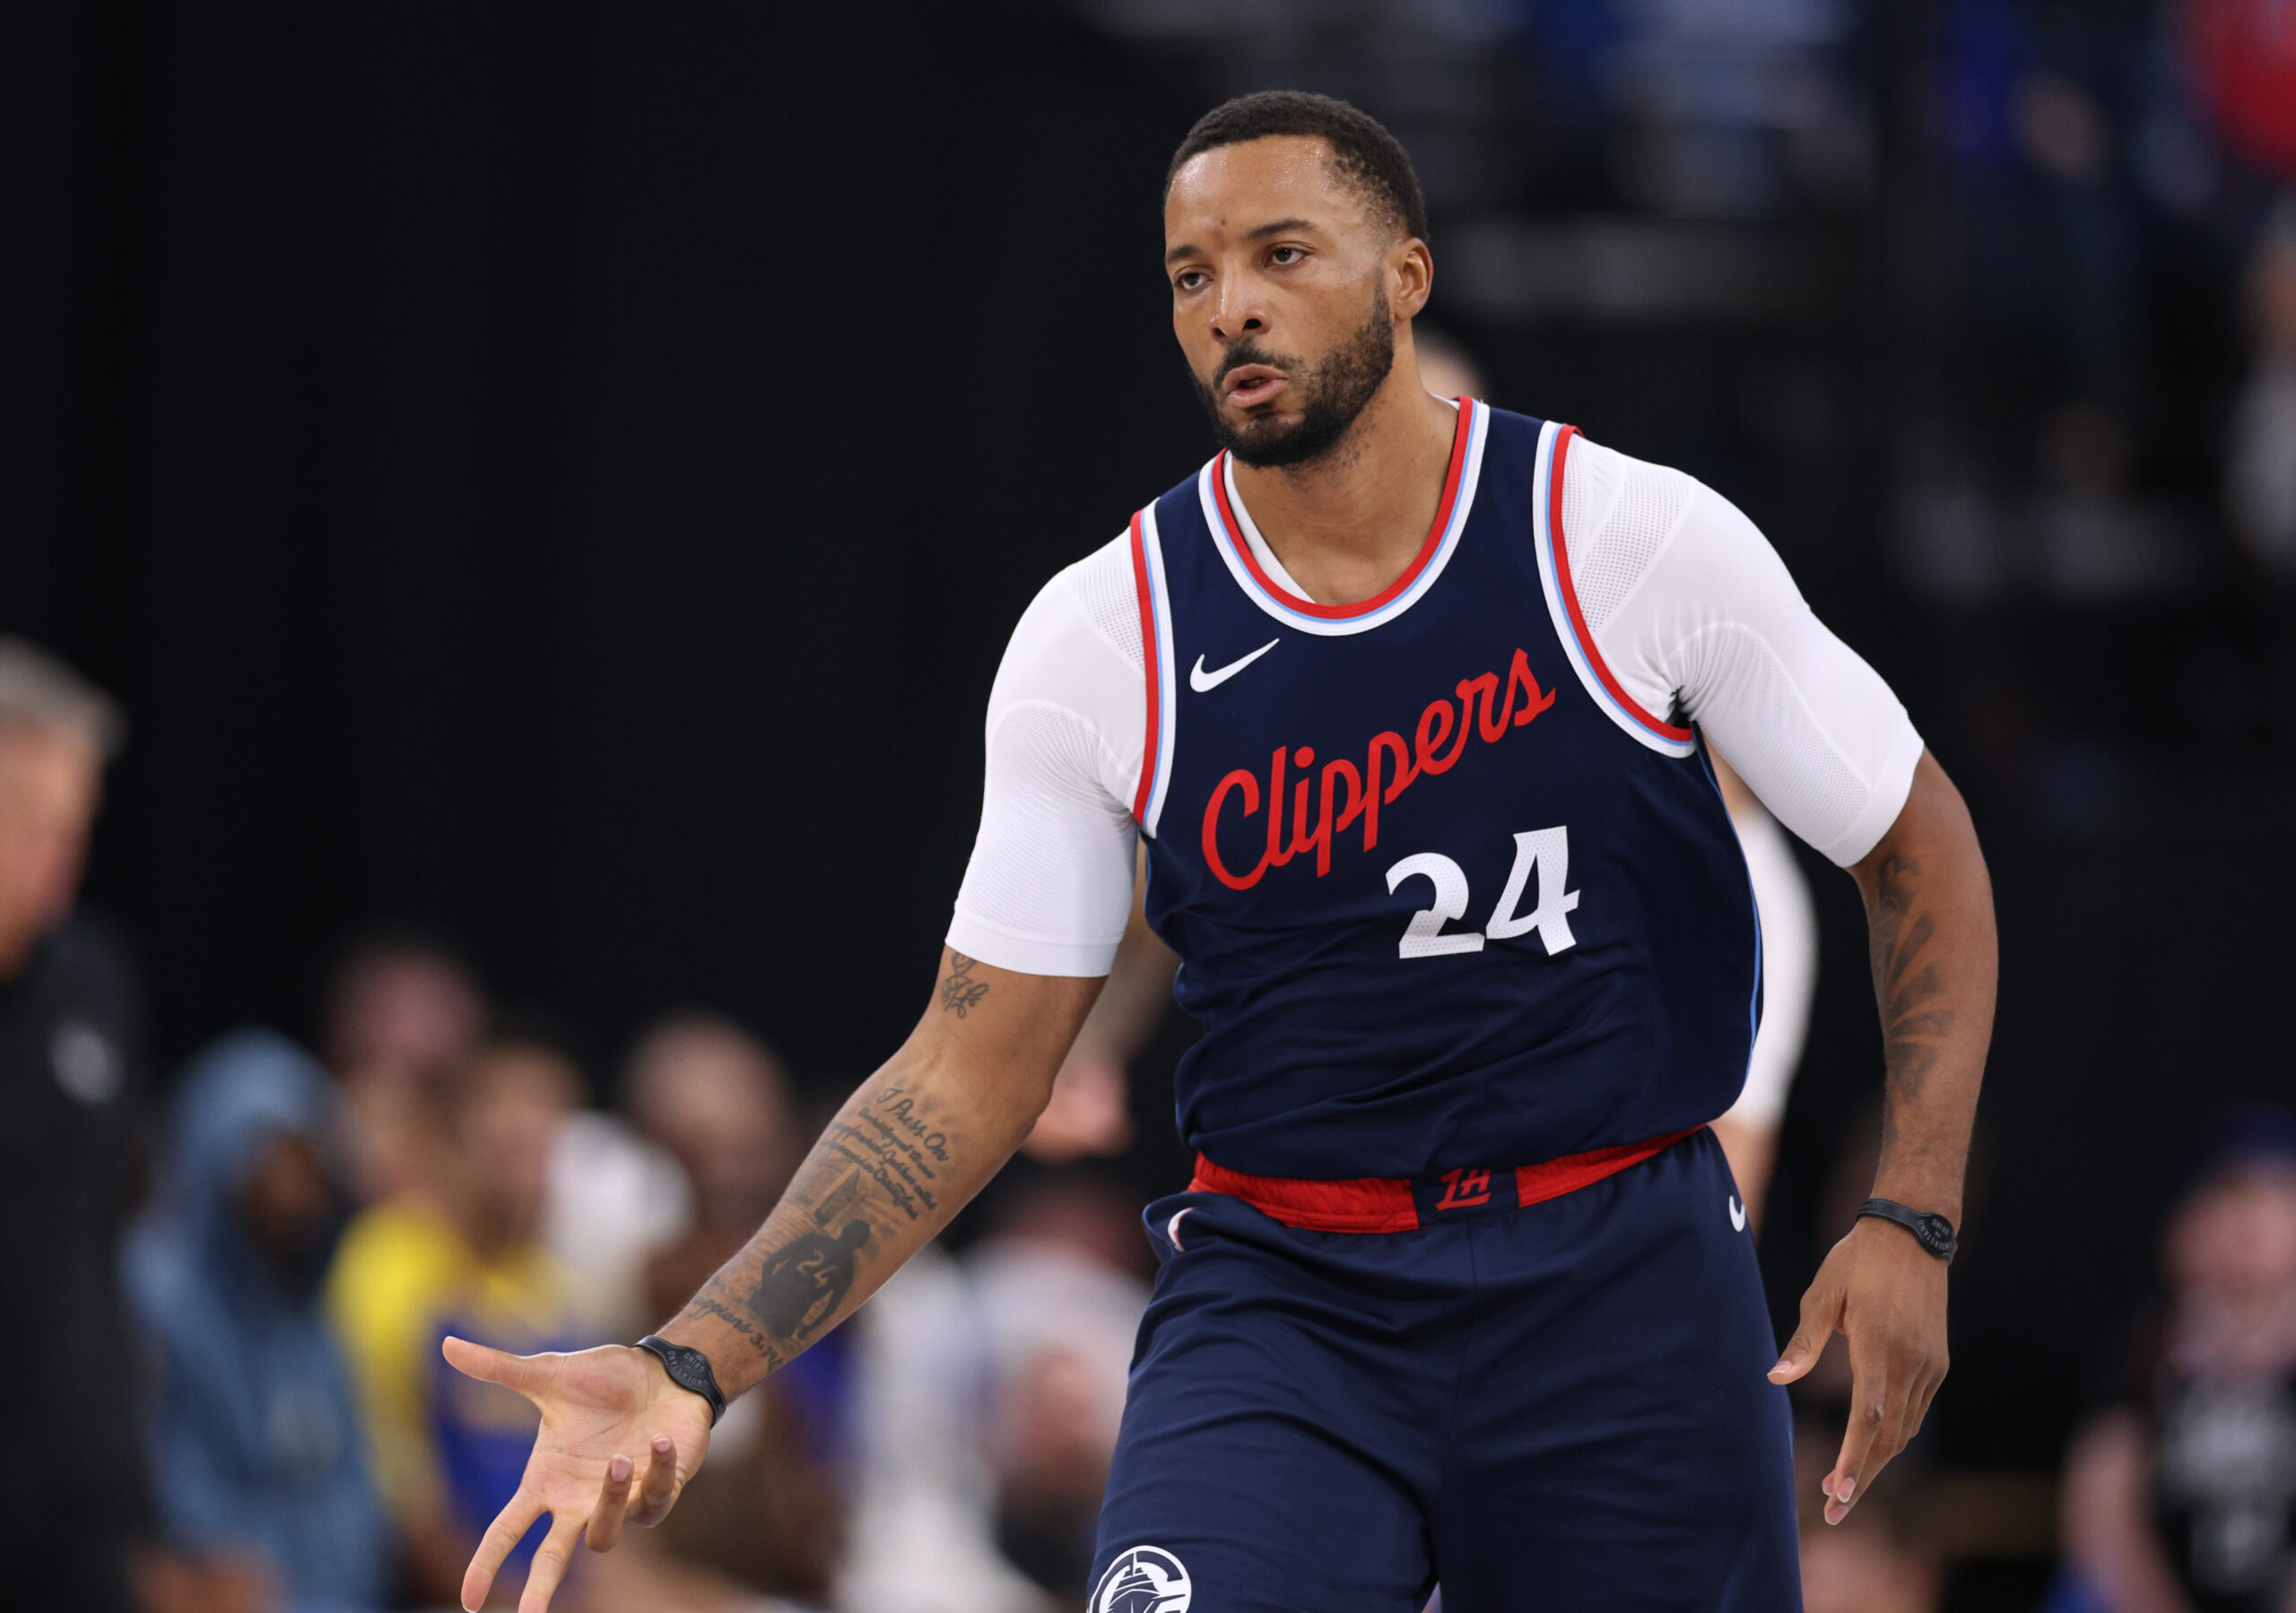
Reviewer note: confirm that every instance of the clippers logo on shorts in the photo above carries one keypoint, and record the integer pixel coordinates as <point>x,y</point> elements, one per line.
<point>1447,899</point>
<point>1146,1579</point>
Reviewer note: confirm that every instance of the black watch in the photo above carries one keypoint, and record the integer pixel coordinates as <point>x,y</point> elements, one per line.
<point>1934,1232</point>
<point>689,1369</point>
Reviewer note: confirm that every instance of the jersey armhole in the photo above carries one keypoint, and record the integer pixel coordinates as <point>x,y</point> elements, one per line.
<point>1156,658</point>
<point>1570,621</point>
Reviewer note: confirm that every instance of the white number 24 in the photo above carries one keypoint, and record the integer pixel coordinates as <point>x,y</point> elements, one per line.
<point>1546,851</point>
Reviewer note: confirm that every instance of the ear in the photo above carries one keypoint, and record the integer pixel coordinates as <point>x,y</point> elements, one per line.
<point>1411,277</point>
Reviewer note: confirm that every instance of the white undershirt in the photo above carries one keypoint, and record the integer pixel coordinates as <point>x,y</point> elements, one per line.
<point>1685,599</point>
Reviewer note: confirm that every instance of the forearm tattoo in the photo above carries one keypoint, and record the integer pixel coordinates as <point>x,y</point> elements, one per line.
<point>879,1164</point>
<point>1908,979</point>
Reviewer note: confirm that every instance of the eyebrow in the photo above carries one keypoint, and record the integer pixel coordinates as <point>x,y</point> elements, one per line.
<point>1280,227</point>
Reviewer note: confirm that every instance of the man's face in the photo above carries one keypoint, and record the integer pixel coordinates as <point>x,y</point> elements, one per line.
<point>287,1203</point>
<point>49,783</point>
<point>1280,270</point>
<point>503,1142</point>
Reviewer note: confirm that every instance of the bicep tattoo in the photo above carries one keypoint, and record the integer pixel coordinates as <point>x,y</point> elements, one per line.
<point>961,993</point>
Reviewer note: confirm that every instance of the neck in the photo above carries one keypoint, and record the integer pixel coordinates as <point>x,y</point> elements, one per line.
<point>1346,525</point>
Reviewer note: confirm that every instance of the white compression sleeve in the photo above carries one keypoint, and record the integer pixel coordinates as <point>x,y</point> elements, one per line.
<point>1690,604</point>
<point>1049,886</point>
<point>1789,967</point>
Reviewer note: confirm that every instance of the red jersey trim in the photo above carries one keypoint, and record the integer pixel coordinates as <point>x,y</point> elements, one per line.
<point>1586,645</point>
<point>1151,746</point>
<point>1376,1204</point>
<point>1460,434</point>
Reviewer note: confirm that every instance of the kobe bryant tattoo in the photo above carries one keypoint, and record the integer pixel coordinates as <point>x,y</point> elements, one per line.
<point>804,1280</point>
<point>961,993</point>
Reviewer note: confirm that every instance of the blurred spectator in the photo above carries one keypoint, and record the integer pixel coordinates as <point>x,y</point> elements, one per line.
<point>402,1006</point>
<point>460,1254</point>
<point>768,1510</point>
<point>255,1445</point>
<point>719,1102</point>
<point>2260,474</point>
<point>1874,1560</point>
<point>1061,1295</point>
<point>2182,1499</point>
<point>619,1196</point>
<point>2243,53</point>
<point>71,1490</point>
<point>922,1535</point>
<point>402,997</point>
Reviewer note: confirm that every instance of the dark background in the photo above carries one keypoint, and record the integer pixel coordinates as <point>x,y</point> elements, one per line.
<point>565,474</point>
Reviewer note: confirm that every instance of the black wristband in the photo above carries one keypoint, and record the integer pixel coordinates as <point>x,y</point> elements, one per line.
<point>689,1369</point>
<point>1934,1232</point>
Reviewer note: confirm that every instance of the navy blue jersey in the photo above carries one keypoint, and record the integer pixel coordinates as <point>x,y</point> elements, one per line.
<point>1444,897</point>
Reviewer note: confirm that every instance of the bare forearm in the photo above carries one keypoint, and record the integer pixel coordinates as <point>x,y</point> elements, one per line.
<point>909,1148</point>
<point>1929,910</point>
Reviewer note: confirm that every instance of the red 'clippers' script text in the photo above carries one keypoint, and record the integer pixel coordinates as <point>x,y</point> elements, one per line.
<point>1389,768</point>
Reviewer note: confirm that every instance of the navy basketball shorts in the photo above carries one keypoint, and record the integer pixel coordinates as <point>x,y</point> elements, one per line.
<point>1558,1407</point>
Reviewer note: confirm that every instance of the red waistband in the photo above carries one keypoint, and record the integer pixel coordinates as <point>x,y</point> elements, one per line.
<point>1378,1204</point>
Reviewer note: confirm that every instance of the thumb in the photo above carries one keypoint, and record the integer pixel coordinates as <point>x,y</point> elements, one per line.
<point>1808,1342</point>
<point>528,1374</point>
<point>1801,1354</point>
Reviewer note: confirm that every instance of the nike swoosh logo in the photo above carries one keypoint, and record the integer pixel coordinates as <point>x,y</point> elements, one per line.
<point>1204,683</point>
<point>1172,1227</point>
<point>1737,1214</point>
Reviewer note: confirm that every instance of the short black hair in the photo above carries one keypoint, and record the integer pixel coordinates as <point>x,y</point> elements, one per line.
<point>1366,156</point>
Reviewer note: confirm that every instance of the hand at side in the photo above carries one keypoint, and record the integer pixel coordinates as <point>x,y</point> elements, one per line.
<point>617,1443</point>
<point>1887,1295</point>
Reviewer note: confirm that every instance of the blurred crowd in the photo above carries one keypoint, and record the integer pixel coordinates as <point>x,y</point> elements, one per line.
<point>237,1295</point>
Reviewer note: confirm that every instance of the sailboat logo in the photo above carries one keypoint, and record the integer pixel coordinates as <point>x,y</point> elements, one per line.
<point>1146,1579</point>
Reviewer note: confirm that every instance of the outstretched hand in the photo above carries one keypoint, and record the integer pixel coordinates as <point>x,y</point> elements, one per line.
<point>617,1443</point>
<point>1888,1295</point>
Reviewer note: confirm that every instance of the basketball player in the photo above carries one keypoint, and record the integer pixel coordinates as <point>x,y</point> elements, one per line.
<point>1408,696</point>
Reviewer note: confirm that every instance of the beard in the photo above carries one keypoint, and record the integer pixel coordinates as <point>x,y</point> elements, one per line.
<point>1334,391</point>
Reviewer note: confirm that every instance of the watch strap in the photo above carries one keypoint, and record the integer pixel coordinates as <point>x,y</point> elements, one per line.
<point>1931,1230</point>
<point>689,1369</point>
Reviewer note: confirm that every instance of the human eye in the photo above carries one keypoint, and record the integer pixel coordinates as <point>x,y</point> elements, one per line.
<point>1189,280</point>
<point>1283,258</point>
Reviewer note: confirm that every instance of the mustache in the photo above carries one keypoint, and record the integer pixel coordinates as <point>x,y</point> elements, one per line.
<point>1251,352</point>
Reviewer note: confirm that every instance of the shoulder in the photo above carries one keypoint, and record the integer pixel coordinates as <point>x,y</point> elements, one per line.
<point>1084,623</point>
<point>1629,525</point>
<point>1618,515</point>
<point>156,1274</point>
<point>1603,488</point>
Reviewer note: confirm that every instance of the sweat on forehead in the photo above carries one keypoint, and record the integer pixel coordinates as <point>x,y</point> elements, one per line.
<point>1362,152</point>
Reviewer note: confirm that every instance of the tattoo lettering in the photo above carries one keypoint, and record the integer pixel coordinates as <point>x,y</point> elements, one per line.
<point>804,1280</point>
<point>961,993</point>
<point>704,1305</point>
<point>878,1159</point>
<point>1914,1018</point>
<point>903,1109</point>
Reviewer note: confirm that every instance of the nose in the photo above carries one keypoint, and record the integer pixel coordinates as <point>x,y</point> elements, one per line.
<point>1238,314</point>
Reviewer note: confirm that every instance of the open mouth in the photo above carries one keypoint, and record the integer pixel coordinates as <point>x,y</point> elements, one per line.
<point>1249,385</point>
